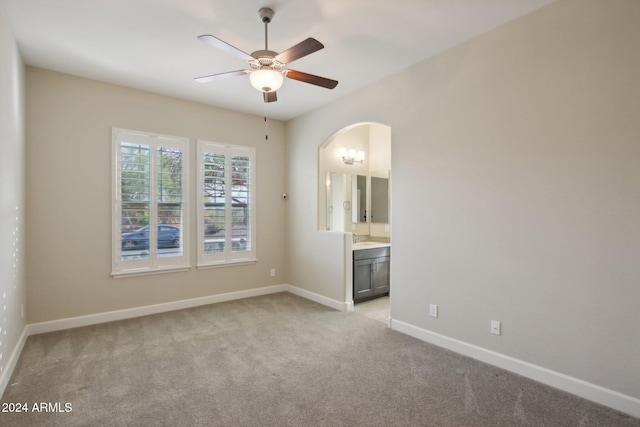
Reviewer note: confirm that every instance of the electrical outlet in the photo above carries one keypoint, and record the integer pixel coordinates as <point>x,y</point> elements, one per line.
<point>433,310</point>
<point>273,272</point>
<point>496,327</point>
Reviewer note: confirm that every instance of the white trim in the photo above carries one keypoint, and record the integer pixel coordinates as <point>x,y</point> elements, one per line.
<point>349,306</point>
<point>611,398</point>
<point>220,264</point>
<point>110,316</point>
<point>13,361</point>
<point>320,299</point>
<point>147,271</point>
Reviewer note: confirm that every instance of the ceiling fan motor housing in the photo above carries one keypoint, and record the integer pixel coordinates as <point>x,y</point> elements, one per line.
<point>266,14</point>
<point>265,58</point>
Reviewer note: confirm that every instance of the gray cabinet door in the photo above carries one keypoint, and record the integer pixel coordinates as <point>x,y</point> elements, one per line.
<point>380,275</point>
<point>370,277</point>
<point>362,279</point>
<point>371,273</point>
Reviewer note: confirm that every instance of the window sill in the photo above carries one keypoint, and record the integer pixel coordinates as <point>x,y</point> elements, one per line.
<point>219,264</point>
<point>147,271</point>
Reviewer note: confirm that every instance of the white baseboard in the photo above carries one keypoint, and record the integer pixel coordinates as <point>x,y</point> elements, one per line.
<point>110,316</point>
<point>613,399</point>
<point>13,361</point>
<point>320,299</point>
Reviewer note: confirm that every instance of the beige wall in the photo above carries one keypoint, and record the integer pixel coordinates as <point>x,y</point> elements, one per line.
<point>12,208</point>
<point>69,196</point>
<point>515,191</point>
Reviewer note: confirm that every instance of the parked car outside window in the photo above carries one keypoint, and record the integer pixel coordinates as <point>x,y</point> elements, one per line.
<point>168,237</point>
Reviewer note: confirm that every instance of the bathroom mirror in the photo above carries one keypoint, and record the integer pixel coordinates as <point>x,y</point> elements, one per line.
<point>380,197</point>
<point>358,198</point>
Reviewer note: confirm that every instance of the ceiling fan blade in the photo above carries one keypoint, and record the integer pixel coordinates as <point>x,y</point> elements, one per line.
<point>300,50</point>
<point>310,78</point>
<point>214,77</point>
<point>270,96</point>
<point>216,42</point>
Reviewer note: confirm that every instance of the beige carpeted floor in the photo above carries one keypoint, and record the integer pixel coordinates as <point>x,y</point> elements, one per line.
<point>276,360</point>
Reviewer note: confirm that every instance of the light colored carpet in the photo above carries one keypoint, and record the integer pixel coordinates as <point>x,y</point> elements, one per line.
<point>276,360</point>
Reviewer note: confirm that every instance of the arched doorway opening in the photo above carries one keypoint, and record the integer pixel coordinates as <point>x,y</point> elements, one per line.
<point>354,197</point>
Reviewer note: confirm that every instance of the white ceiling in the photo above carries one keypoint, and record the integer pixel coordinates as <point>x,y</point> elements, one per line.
<point>151,44</point>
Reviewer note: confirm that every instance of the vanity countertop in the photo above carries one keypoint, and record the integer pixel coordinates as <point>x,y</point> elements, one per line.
<point>369,245</point>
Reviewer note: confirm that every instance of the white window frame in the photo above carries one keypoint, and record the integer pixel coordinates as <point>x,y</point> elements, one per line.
<point>228,257</point>
<point>153,264</point>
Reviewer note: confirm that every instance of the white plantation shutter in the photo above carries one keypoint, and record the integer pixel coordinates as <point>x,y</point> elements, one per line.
<point>241,203</point>
<point>149,209</point>
<point>226,208</point>
<point>134,167</point>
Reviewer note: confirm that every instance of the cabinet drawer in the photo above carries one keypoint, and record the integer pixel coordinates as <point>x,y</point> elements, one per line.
<point>371,253</point>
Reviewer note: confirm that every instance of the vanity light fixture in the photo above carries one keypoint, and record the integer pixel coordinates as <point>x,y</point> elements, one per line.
<point>349,157</point>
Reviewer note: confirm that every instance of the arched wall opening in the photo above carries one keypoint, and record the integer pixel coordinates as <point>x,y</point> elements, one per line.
<point>354,191</point>
<point>346,201</point>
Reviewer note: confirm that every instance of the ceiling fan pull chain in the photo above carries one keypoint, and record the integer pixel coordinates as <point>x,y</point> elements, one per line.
<point>266,124</point>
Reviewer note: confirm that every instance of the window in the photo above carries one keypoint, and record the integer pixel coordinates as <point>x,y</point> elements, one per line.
<point>226,207</point>
<point>150,197</point>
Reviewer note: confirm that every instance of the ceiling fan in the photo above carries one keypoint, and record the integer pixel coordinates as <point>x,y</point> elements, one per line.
<point>267,68</point>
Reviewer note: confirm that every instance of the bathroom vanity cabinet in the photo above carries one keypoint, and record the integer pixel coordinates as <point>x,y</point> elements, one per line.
<point>371,273</point>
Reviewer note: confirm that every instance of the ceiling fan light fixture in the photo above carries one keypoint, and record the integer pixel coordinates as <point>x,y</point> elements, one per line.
<point>267,68</point>
<point>266,80</point>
